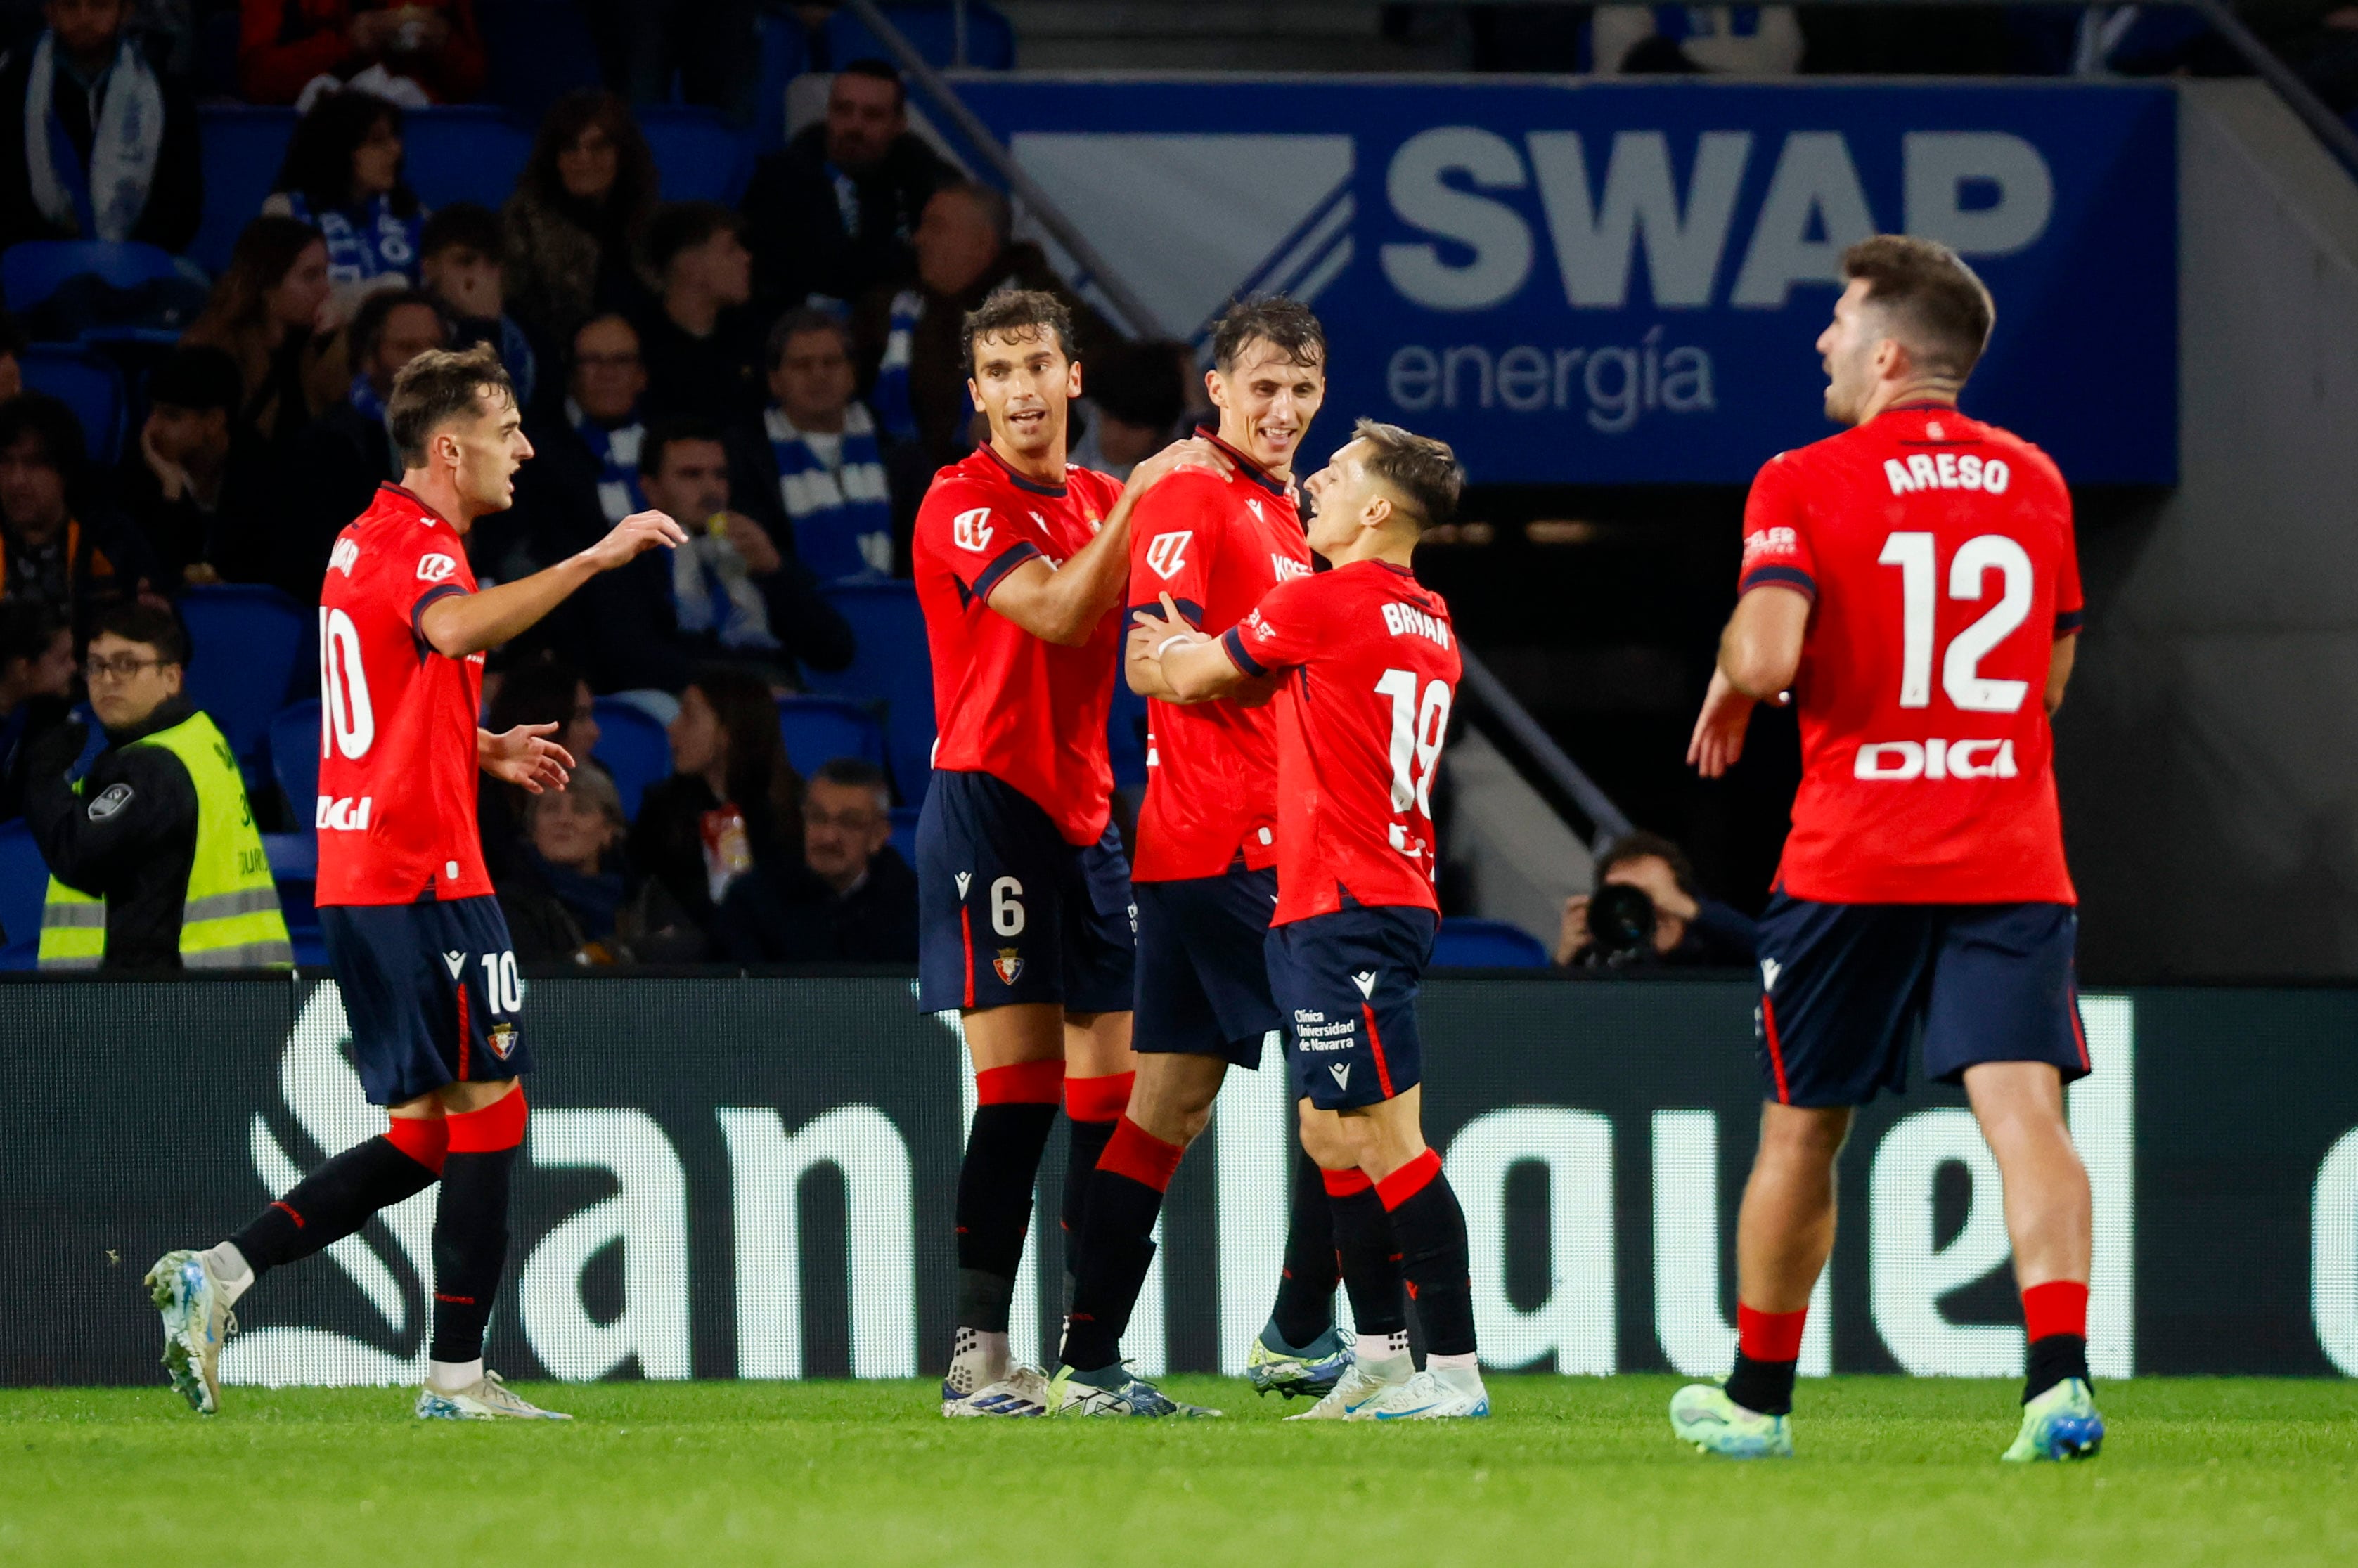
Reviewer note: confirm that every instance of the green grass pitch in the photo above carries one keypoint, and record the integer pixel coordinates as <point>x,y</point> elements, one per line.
<point>1571,1471</point>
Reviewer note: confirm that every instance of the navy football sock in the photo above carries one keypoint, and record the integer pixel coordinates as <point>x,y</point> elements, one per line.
<point>1092,1106</point>
<point>1125,1197</point>
<point>1305,1292</point>
<point>994,1203</point>
<point>339,1198</point>
<point>1431,1230</point>
<point>1363,1245</point>
<point>471,1224</point>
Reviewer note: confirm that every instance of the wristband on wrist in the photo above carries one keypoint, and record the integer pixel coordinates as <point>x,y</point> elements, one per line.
<point>1165,646</point>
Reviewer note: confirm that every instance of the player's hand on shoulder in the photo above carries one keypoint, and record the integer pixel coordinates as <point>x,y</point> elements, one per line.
<point>1150,632</point>
<point>633,536</point>
<point>1194,453</point>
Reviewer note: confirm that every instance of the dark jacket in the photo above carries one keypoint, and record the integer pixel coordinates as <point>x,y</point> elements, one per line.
<point>176,194</point>
<point>716,378</point>
<point>233,537</point>
<point>798,919</point>
<point>1719,937</point>
<point>794,220</point>
<point>21,729</point>
<point>101,560</point>
<point>329,477</point>
<point>134,851</point>
<point>648,925</point>
<point>666,843</point>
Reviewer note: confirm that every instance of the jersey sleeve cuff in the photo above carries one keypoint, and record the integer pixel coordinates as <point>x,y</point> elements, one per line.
<point>1233,640</point>
<point>1005,561</point>
<point>1189,610</point>
<point>2068,623</point>
<point>1793,578</point>
<point>417,610</point>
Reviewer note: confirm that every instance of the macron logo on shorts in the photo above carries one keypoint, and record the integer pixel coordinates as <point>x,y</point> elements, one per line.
<point>962,878</point>
<point>1342,1071</point>
<point>1365,981</point>
<point>1769,970</point>
<point>455,962</point>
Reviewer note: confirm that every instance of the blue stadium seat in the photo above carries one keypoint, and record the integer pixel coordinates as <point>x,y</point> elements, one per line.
<point>242,148</point>
<point>537,51</point>
<point>470,154</point>
<point>32,270</point>
<point>294,870</point>
<point>904,832</point>
<point>24,882</point>
<point>87,382</point>
<point>701,158</point>
<point>889,668</point>
<point>1465,943</point>
<point>785,54</point>
<point>243,639</point>
<point>932,31</point>
<point>295,757</point>
<point>633,747</point>
<point>820,729</point>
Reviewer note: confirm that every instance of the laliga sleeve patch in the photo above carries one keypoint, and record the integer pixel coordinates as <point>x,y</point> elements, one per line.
<point>110,799</point>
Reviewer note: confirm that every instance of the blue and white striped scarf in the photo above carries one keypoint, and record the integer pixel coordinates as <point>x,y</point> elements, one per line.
<point>891,395</point>
<point>842,516</point>
<point>102,201</point>
<point>381,243</point>
<point>617,452</point>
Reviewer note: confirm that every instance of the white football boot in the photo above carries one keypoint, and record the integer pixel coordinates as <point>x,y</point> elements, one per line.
<point>1433,1394</point>
<point>487,1399</point>
<point>196,1319</point>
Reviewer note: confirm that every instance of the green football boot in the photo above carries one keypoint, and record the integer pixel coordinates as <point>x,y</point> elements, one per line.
<point>2060,1424</point>
<point>1703,1414</point>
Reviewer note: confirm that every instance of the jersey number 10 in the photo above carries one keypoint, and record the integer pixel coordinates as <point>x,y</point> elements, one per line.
<point>345,715</point>
<point>1417,729</point>
<point>1961,675</point>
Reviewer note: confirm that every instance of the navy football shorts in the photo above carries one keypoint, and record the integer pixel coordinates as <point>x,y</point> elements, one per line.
<point>1846,985</point>
<point>1347,984</point>
<point>431,991</point>
<point>1203,971</point>
<point>1008,912</point>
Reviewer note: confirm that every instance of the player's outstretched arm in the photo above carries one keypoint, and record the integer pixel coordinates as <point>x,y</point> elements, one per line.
<point>467,623</point>
<point>1759,654</point>
<point>524,756</point>
<point>1191,666</point>
<point>1064,604</point>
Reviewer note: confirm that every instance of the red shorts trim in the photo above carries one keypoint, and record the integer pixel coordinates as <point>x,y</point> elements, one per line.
<point>1376,1045</point>
<point>1776,1054</point>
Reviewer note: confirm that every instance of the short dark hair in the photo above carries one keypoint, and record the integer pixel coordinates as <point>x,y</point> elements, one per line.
<point>535,691</point>
<point>437,387</point>
<point>27,627</point>
<point>1422,472</point>
<point>1286,325</point>
<point>679,226</point>
<point>467,223</point>
<point>854,773</point>
<point>368,323</point>
<point>1640,845</point>
<point>1019,313</point>
<point>139,621</point>
<point>665,434</point>
<point>1939,303</point>
<point>798,321</point>
<point>197,377</point>
<point>54,425</point>
<point>1138,383</point>
<point>868,65</point>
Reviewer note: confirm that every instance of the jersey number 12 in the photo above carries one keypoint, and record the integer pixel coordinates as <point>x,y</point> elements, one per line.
<point>1961,675</point>
<point>1417,729</point>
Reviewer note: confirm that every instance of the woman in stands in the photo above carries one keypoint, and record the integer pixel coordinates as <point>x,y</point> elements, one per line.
<point>342,176</point>
<point>532,691</point>
<point>268,311</point>
<point>570,899</point>
<point>732,811</point>
<point>575,221</point>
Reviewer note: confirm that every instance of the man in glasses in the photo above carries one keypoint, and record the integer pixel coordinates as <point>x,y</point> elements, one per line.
<point>153,858</point>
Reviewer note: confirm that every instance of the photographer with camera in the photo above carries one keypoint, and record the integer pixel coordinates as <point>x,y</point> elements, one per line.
<point>1646,912</point>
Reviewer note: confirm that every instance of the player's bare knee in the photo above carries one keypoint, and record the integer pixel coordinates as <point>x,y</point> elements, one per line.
<point>1327,1141</point>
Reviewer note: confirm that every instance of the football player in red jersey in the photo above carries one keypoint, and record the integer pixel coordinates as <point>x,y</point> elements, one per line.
<point>1367,667</point>
<point>1206,879</point>
<point>414,936</point>
<point>1025,926</point>
<point>1912,584</point>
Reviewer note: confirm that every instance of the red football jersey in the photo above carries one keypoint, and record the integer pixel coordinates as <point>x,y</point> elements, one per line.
<point>1359,727</point>
<point>1006,703</point>
<point>1216,546</point>
<point>1939,552</point>
<point>397,810</point>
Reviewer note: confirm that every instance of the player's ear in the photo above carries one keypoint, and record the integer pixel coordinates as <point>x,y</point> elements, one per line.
<point>1216,390</point>
<point>1073,378</point>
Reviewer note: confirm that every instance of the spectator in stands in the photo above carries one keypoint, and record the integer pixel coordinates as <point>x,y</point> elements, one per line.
<point>1137,392</point>
<point>154,861</point>
<point>531,691</point>
<point>95,142</point>
<point>733,806</point>
<point>195,486</point>
<point>1739,40</point>
<point>568,899</point>
<point>12,348</point>
<point>579,214</point>
<point>60,551</point>
<point>459,259</point>
<point>37,677</point>
<point>730,593</point>
<point>334,467</point>
<point>342,176</point>
<point>965,254</point>
<point>701,347</point>
<point>817,472</point>
<point>854,900</point>
<point>1689,929</point>
<point>584,473</point>
<point>710,46</point>
<point>267,313</point>
<point>285,45</point>
<point>830,216</point>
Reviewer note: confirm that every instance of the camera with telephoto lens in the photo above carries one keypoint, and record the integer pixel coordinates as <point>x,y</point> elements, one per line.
<point>1620,926</point>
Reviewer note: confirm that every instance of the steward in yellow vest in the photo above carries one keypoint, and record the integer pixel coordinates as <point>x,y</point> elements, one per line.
<point>155,859</point>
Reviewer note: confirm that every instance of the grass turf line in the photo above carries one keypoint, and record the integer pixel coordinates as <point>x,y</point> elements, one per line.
<point>1892,1471</point>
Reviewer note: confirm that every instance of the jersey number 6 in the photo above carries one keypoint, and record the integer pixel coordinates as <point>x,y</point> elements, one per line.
<point>1961,675</point>
<point>1417,729</point>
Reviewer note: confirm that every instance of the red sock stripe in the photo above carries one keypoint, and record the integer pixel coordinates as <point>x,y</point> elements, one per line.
<point>1098,1099</point>
<point>1137,1153</point>
<point>291,1213</point>
<point>1408,1180</point>
<point>1770,1335</point>
<point>1021,1083</point>
<point>2058,1306</point>
<point>1376,1043</point>
<point>425,1139</point>
<point>499,1125</point>
<point>1345,1183</point>
<point>1776,1053</point>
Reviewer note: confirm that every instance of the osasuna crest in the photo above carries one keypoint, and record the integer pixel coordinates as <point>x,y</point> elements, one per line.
<point>972,530</point>
<point>1168,552</point>
<point>1007,965</point>
<point>502,1039</point>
